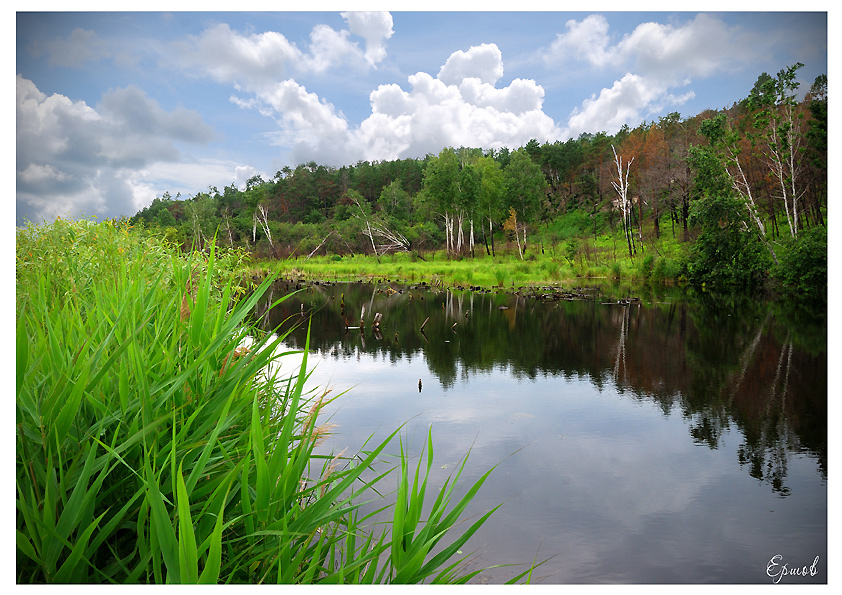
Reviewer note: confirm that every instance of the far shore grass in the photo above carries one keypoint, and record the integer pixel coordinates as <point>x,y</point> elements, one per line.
<point>576,264</point>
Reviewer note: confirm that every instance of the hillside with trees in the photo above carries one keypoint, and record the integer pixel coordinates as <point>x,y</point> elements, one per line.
<point>740,194</point>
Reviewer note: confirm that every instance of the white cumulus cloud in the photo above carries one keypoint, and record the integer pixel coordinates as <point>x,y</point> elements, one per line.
<point>257,59</point>
<point>460,107</point>
<point>651,61</point>
<point>585,41</point>
<point>375,28</point>
<point>621,104</point>
<point>484,62</point>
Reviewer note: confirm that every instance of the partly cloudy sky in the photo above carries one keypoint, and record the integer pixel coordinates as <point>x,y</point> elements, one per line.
<point>114,109</point>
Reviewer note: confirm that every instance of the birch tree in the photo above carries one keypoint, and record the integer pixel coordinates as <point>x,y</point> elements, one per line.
<point>441,181</point>
<point>490,197</point>
<point>621,185</point>
<point>779,138</point>
<point>375,227</point>
<point>725,143</point>
<point>525,186</point>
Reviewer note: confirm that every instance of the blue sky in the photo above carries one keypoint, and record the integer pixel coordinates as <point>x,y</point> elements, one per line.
<point>114,109</point>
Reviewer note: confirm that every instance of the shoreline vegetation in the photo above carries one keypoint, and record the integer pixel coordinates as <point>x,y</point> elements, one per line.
<point>153,447</point>
<point>802,273</point>
<point>733,199</point>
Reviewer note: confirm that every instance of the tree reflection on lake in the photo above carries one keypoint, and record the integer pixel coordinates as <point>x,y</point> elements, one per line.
<point>595,404</point>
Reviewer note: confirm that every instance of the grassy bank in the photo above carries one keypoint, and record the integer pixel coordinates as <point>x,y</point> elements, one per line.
<point>567,253</point>
<point>153,447</point>
<point>567,263</point>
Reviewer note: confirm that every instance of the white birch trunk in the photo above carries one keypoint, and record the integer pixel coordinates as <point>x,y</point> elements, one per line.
<point>622,188</point>
<point>739,182</point>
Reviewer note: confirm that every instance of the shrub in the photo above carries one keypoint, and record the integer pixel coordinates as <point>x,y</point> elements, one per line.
<point>803,265</point>
<point>727,250</point>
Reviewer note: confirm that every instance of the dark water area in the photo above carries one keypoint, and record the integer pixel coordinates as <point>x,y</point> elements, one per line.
<point>676,438</point>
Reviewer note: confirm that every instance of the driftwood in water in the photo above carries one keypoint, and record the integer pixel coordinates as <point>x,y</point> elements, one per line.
<point>362,317</point>
<point>426,320</point>
<point>376,323</point>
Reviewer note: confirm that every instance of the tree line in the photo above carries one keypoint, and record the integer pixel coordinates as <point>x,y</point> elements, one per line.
<point>738,184</point>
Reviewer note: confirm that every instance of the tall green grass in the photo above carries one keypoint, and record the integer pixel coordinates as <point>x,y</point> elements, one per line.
<point>153,447</point>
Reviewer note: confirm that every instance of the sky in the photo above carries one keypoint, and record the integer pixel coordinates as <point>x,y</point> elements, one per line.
<point>114,109</point>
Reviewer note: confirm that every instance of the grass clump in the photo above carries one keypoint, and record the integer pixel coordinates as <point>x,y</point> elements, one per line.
<point>155,445</point>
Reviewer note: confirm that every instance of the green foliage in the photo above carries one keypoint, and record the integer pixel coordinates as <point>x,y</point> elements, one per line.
<point>314,216</point>
<point>710,175</point>
<point>525,185</point>
<point>817,133</point>
<point>574,224</point>
<point>395,202</point>
<point>803,265</point>
<point>647,266</point>
<point>342,212</point>
<point>425,236</point>
<point>727,251</point>
<point>157,441</point>
<point>571,251</point>
<point>441,180</point>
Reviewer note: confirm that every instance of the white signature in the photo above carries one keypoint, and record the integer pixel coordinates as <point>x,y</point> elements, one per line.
<point>777,571</point>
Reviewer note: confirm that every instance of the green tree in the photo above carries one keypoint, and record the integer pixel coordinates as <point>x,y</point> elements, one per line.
<point>725,146</point>
<point>817,145</point>
<point>778,136</point>
<point>803,268</point>
<point>525,187</point>
<point>727,250</point>
<point>395,202</point>
<point>489,206</point>
<point>441,184</point>
<point>202,221</point>
<point>469,190</point>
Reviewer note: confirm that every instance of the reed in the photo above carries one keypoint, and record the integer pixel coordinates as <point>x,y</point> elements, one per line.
<point>154,447</point>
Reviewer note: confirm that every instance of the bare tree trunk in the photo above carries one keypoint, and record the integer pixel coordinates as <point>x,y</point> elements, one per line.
<point>264,222</point>
<point>740,183</point>
<point>622,188</point>
<point>228,227</point>
<point>319,246</point>
<point>460,237</point>
<point>517,239</point>
<point>447,233</point>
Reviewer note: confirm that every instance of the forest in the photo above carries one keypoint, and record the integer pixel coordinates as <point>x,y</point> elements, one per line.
<point>736,197</point>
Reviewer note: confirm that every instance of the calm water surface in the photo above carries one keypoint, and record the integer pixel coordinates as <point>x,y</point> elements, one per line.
<point>674,439</point>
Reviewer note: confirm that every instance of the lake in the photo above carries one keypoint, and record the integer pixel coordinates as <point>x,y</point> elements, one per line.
<point>665,437</point>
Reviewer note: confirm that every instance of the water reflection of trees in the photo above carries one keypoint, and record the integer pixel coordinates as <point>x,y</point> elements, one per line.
<point>723,361</point>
